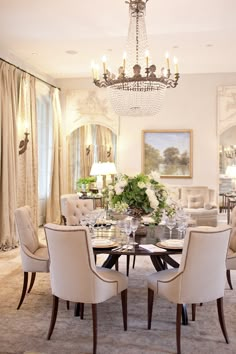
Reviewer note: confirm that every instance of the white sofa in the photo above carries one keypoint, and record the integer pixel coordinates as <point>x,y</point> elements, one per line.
<point>198,202</point>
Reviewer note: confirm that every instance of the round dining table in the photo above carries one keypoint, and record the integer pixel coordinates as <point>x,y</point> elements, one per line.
<point>150,241</point>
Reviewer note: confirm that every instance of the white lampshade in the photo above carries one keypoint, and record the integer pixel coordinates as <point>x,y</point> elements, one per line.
<point>96,169</point>
<point>103,169</point>
<point>109,168</point>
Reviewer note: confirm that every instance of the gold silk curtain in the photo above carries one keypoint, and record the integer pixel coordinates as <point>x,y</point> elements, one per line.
<point>88,144</point>
<point>53,213</point>
<point>27,177</point>
<point>104,144</point>
<point>9,87</point>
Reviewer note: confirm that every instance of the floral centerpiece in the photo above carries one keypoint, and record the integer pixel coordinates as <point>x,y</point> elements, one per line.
<point>140,195</point>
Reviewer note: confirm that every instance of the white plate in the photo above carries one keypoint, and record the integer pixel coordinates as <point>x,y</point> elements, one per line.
<point>171,244</point>
<point>103,243</point>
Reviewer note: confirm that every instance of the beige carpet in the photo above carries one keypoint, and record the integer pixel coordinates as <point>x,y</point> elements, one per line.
<point>24,331</point>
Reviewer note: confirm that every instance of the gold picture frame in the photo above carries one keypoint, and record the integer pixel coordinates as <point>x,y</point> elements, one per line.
<point>168,152</point>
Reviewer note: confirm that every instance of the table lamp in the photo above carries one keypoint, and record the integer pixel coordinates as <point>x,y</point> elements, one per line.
<point>97,170</point>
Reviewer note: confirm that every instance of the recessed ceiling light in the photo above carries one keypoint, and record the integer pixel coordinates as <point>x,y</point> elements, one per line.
<point>34,53</point>
<point>71,52</point>
<point>175,46</point>
<point>209,45</point>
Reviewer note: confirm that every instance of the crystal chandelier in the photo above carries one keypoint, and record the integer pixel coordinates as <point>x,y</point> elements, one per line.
<point>138,89</point>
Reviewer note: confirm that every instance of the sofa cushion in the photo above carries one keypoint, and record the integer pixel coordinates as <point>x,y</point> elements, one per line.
<point>193,191</point>
<point>195,201</point>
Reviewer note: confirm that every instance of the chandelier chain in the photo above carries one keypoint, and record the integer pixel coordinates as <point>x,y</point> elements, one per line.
<point>137,38</point>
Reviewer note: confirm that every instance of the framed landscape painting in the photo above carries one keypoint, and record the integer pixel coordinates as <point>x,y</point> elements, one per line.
<point>168,152</point>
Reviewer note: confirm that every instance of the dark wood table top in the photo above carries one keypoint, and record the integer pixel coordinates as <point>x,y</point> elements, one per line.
<point>145,235</point>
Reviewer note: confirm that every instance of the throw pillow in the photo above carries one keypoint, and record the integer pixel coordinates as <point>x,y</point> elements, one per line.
<point>195,201</point>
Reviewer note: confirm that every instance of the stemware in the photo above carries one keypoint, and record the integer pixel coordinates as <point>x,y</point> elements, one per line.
<point>170,223</point>
<point>134,223</point>
<point>127,230</point>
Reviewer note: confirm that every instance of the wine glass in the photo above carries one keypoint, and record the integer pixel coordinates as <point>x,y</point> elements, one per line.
<point>170,223</point>
<point>134,223</point>
<point>127,230</point>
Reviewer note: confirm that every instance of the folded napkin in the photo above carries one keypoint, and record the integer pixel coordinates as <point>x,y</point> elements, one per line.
<point>152,248</point>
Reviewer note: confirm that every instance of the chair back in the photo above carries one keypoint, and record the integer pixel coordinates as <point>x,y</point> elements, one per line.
<point>232,243</point>
<point>72,267</point>
<point>203,264</point>
<point>25,229</point>
<point>73,208</point>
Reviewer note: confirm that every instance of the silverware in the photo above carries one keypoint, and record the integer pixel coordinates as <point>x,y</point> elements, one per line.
<point>117,248</point>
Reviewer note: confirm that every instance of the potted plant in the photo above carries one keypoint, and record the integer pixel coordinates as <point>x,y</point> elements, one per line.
<point>84,183</point>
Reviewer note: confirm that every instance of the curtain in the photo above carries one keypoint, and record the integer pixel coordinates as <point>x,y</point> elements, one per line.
<point>85,145</point>
<point>53,213</point>
<point>9,83</point>
<point>27,180</point>
<point>104,144</point>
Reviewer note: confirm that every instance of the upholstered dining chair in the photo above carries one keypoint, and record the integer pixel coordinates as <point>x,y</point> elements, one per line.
<point>34,255</point>
<point>73,208</point>
<point>200,277</point>
<point>75,277</point>
<point>231,255</point>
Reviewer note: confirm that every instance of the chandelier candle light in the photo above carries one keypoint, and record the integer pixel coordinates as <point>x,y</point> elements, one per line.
<point>134,92</point>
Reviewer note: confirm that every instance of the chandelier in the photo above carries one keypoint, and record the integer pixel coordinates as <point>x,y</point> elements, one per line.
<point>138,89</point>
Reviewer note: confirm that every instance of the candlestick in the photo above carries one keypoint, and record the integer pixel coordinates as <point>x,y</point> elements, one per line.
<point>147,58</point>
<point>167,61</point>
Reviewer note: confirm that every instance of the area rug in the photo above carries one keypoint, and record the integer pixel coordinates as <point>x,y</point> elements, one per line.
<point>24,331</point>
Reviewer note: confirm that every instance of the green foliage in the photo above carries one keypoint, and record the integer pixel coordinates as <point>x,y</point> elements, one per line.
<point>85,180</point>
<point>142,193</point>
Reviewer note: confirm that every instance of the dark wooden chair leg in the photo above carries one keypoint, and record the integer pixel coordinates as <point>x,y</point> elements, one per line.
<point>81,311</point>
<point>124,307</point>
<point>222,318</point>
<point>117,265</point>
<point>150,307</point>
<point>127,265</point>
<point>53,316</point>
<point>25,283</point>
<point>134,259</point>
<point>68,305</point>
<point>229,278</point>
<point>193,312</point>
<point>94,314</point>
<point>33,275</point>
<point>178,327</point>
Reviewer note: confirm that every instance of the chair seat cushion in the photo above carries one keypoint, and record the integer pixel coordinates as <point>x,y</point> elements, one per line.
<point>41,253</point>
<point>163,276</point>
<point>110,274</point>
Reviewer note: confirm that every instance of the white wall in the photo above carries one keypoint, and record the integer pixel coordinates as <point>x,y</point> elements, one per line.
<point>191,105</point>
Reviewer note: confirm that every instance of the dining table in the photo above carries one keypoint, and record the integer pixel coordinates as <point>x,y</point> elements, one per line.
<point>150,240</point>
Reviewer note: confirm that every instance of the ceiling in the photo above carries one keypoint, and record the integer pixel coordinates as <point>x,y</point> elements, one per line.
<point>59,39</point>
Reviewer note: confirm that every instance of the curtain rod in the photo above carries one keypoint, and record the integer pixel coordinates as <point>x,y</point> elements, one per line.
<point>24,71</point>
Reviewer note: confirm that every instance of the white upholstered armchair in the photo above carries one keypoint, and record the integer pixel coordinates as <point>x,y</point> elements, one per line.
<point>199,203</point>
<point>34,255</point>
<point>200,277</point>
<point>74,276</point>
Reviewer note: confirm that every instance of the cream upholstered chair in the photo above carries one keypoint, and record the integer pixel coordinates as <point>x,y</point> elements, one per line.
<point>73,208</point>
<point>74,276</point>
<point>34,255</point>
<point>199,203</point>
<point>231,255</point>
<point>200,277</point>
